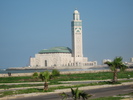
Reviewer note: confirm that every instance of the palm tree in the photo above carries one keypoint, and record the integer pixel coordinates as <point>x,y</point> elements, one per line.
<point>45,76</point>
<point>115,65</point>
<point>76,94</point>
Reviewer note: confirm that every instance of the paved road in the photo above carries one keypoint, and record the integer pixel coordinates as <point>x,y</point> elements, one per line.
<point>110,91</point>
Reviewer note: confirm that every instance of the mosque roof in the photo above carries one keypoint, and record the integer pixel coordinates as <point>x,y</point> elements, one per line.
<point>56,50</point>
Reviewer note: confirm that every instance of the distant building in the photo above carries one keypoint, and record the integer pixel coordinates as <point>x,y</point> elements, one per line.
<point>131,59</point>
<point>64,56</point>
<point>105,60</point>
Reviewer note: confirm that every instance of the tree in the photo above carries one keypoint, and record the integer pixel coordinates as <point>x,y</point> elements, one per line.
<point>45,76</point>
<point>76,95</point>
<point>115,65</point>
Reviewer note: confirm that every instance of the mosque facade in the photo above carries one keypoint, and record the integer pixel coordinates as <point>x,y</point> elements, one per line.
<point>64,56</point>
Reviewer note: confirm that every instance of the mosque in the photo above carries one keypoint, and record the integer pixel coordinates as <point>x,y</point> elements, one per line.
<point>64,56</point>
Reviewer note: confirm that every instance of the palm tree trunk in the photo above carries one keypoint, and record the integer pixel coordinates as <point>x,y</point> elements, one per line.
<point>45,86</point>
<point>115,76</point>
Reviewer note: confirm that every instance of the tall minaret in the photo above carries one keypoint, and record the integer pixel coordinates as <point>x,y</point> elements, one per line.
<point>76,25</point>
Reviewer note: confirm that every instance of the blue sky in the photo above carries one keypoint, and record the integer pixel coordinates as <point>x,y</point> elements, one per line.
<point>28,26</point>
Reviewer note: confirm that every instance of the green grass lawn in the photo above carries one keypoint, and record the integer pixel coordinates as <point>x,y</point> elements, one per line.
<point>15,79</point>
<point>32,90</point>
<point>68,77</point>
<point>18,85</point>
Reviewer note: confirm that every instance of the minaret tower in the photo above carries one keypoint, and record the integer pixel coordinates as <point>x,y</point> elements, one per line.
<point>76,25</point>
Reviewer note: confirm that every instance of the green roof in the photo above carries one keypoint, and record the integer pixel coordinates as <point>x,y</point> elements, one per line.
<point>56,50</point>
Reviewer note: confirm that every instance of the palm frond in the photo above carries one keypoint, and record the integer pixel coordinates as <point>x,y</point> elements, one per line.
<point>85,96</point>
<point>123,67</point>
<point>64,95</point>
<point>41,76</point>
<point>108,63</point>
<point>77,93</point>
<point>72,91</point>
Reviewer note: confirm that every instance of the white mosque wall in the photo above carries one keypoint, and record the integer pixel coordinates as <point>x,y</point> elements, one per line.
<point>59,60</point>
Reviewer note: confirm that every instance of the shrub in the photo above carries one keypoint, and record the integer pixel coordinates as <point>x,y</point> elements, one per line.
<point>55,72</point>
<point>35,75</point>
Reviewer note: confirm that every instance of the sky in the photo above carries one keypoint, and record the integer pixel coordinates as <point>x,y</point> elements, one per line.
<point>28,26</point>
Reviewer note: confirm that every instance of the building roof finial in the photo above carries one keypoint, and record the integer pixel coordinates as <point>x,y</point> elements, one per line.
<point>76,11</point>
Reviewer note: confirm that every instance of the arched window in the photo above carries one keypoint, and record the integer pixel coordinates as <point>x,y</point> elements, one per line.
<point>45,63</point>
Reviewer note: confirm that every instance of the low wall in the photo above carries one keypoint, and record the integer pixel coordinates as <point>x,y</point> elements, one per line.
<point>67,72</point>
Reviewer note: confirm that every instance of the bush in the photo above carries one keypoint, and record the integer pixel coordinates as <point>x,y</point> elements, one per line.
<point>55,72</point>
<point>35,75</point>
